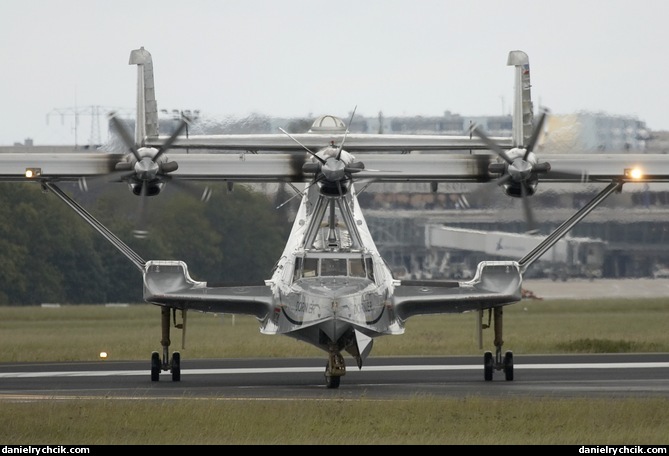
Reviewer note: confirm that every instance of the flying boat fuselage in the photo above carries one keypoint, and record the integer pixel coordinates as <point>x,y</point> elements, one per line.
<point>331,285</point>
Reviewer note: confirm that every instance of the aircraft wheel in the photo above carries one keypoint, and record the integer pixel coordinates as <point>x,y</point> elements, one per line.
<point>508,366</point>
<point>488,366</point>
<point>155,366</point>
<point>176,366</point>
<point>331,381</point>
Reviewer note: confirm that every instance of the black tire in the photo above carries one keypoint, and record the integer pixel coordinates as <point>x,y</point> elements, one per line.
<point>488,366</point>
<point>508,366</point>
<point>332,382</point>
<point>176,367</point>
<point>155,366</point>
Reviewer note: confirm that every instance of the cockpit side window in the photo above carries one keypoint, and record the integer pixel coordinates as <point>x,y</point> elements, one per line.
<point>370,269</point>
<point>297,272</point>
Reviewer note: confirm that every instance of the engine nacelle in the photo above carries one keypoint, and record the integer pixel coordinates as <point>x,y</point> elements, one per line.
<point>152,188</point>
<point>515,189</point>
<point>519,172</point>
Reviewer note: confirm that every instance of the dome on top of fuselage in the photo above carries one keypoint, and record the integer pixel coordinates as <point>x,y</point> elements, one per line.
<point>328,124</point>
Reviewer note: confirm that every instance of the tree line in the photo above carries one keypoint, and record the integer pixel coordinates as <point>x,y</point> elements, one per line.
<point>48,254</point>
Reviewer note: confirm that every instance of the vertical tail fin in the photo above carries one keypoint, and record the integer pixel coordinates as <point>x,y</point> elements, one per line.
<point>147,107</point>
<point>522,103</point>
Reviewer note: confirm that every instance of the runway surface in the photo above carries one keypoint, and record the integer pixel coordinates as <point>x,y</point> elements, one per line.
<point>608,375</point>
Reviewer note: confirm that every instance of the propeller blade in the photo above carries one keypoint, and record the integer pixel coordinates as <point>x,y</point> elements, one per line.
<point>311,168</point>
<point>491,144</point>
<point>141,232</point>
<point>182,126</point>
<point>503,179</point>
<point>297,193</point>
<point>527,210</point>
<point>288,200</point>
<point>535,134</point>
<point>356,167</point>
<point>313,154</point>
<point>125,135</point>
<point>541,168</point>
<point>341,146</point>
<point>169,167</point>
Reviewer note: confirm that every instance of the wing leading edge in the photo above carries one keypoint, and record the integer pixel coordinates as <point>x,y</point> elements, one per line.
<point>355,142</point>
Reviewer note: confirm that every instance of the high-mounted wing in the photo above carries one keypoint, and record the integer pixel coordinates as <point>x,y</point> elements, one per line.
<point>431,167</point>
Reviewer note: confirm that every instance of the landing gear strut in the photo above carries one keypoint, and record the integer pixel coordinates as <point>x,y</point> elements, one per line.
<point>159,364</point>
<point>334,370</point>
<point>490,363</point>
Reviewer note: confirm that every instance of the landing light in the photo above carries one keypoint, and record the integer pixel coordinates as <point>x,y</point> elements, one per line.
<point>633,173</point>
<point>33,172</point>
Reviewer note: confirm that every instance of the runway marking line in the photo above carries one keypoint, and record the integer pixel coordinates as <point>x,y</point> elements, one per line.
<point>232,371</point>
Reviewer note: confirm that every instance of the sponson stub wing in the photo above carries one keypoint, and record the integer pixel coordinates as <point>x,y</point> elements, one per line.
<point>495,284</point>
<point>169,284</point>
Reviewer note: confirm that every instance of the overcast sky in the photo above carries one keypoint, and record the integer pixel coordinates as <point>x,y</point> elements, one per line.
<point>311,57</point>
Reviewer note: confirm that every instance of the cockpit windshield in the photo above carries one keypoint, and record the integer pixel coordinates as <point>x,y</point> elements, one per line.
<point>333,266</point>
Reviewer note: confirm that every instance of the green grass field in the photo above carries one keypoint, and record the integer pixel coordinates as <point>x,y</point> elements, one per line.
<point>80,333</point>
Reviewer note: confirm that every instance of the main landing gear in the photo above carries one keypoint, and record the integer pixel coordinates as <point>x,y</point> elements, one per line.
<point>490,363</point>
<point>159,364</point>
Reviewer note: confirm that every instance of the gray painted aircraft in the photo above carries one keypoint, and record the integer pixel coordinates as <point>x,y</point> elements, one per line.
<point>331,288</point>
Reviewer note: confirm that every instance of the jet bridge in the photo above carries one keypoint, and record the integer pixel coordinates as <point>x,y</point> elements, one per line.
<point>569,257</point>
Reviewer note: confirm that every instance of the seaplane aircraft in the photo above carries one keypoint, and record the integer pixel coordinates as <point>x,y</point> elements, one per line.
<point>330,287</point>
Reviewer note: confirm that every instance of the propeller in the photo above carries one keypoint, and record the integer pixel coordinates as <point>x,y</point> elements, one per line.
<point>334,170</point>
<point>146,169</point>
<point>334,167</point>
<point>147,163</point>
<point>519,169</point>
